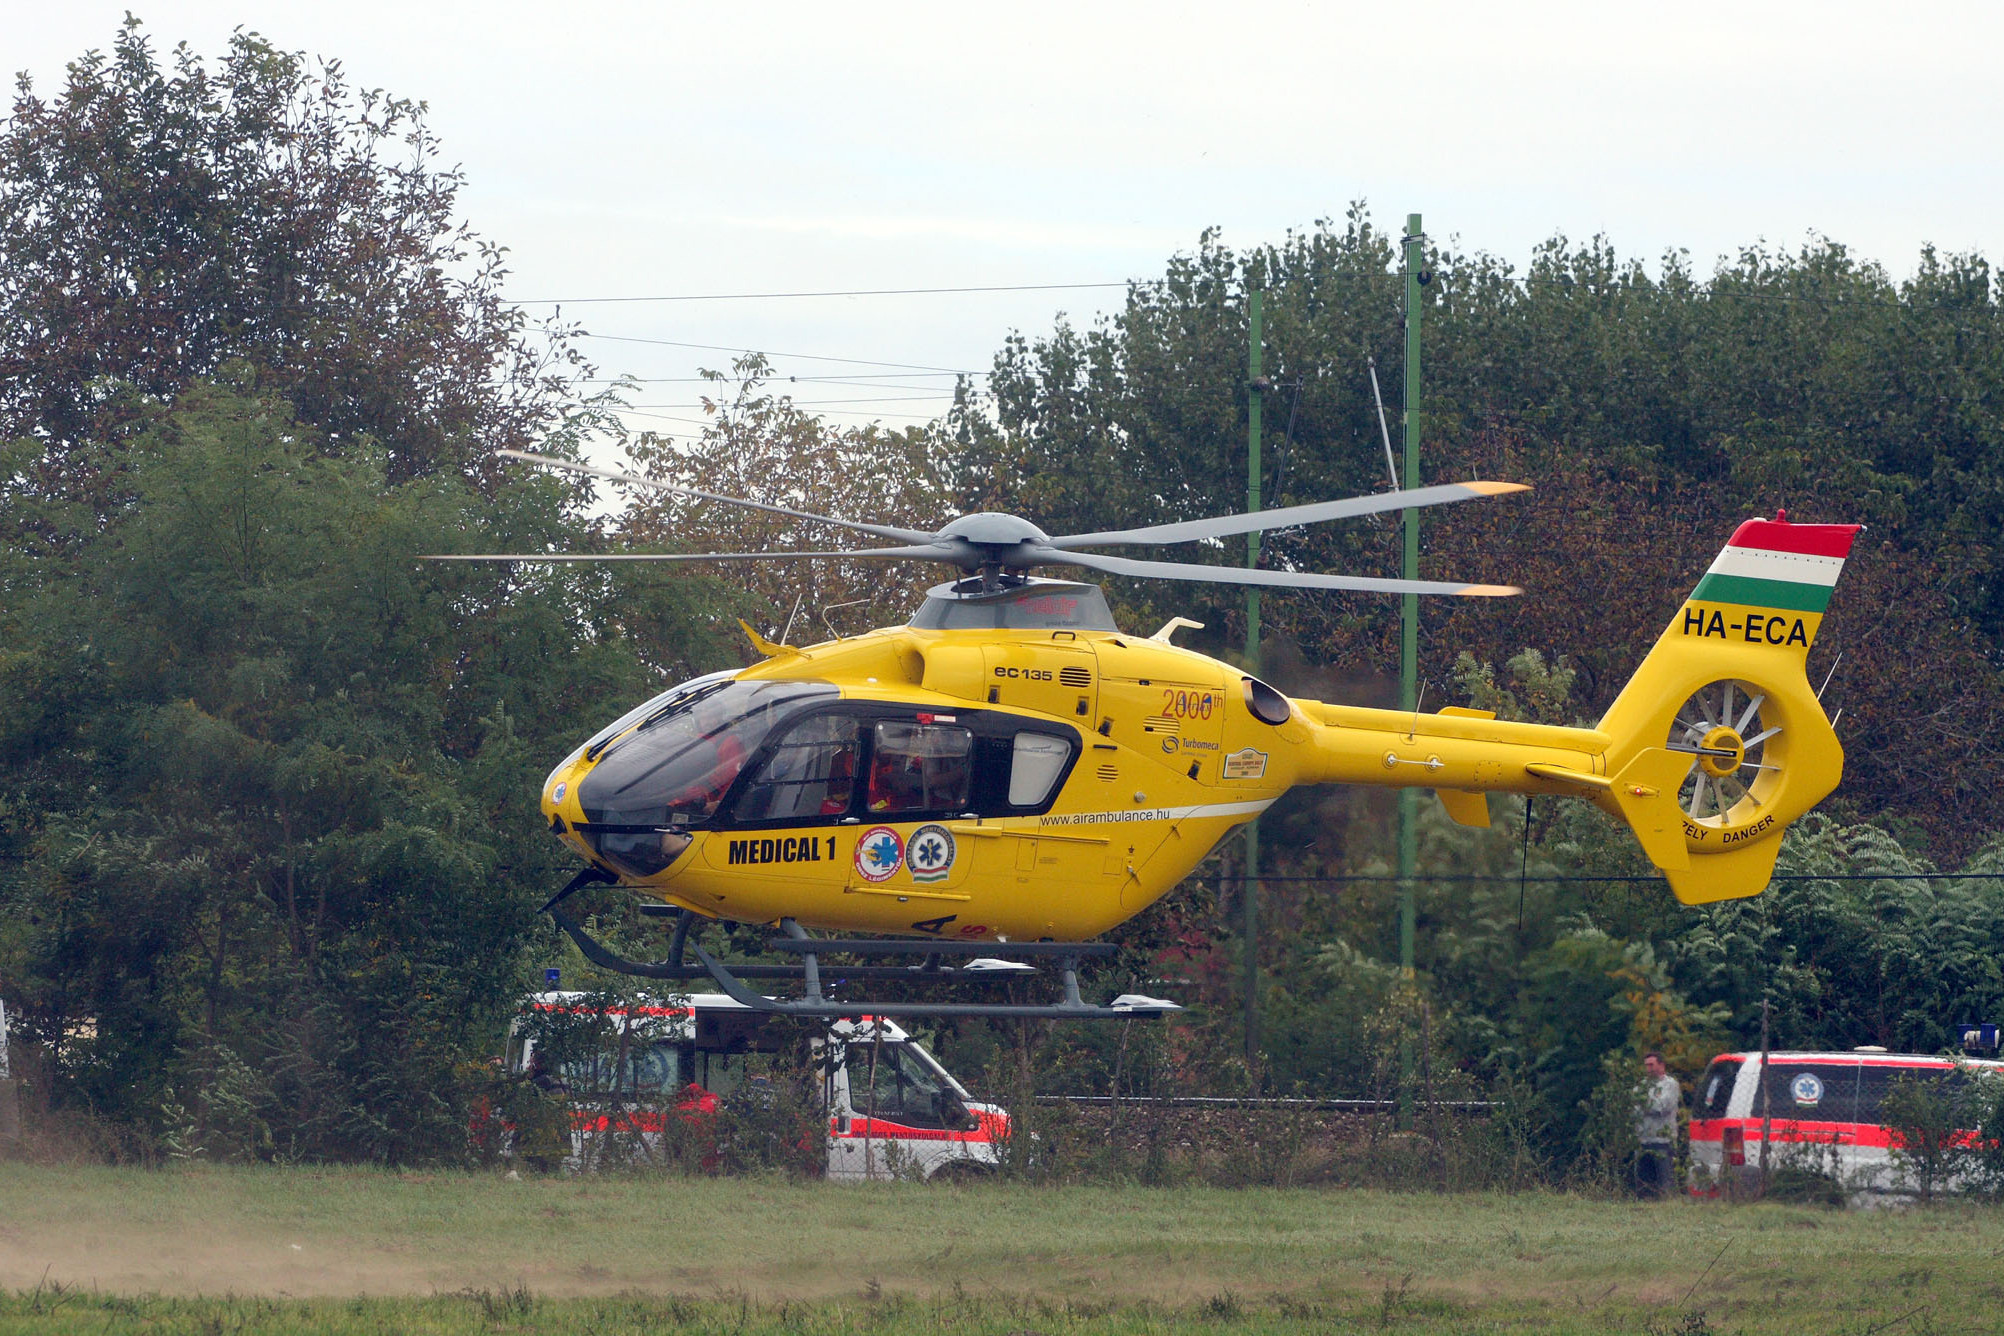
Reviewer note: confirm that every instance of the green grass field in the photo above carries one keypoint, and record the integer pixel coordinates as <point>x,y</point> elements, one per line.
<point>325,1250</point>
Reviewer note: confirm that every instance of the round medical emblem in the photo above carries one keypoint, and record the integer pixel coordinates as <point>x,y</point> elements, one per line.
<point>879,853</point>
<point>930,853</point>
<point>557,795</point>
<point>1807,1089</point>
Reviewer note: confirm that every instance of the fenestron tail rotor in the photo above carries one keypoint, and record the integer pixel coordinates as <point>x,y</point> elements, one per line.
<point>1727,725</point>
<point>993,544</point>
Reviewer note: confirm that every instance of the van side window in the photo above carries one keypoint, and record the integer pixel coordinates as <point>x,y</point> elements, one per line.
<point>808,776</point>
<point>917,767</point>
<point>633,1069</point>
<point>1715,1089</point>
<point>1824,1092</point>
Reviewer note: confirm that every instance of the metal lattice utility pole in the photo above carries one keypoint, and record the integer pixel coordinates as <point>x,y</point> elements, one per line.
<point>1249,885</point>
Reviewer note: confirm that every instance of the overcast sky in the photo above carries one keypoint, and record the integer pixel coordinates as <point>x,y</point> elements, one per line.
<point>648,150</point>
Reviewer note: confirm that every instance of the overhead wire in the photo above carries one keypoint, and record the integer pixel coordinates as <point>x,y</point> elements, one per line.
<point>1706,291</point>
<point>768,352</point>
<point>1614,287</point>
<point>823,403</point>
<point>855,378</point>
<point>850,292</point>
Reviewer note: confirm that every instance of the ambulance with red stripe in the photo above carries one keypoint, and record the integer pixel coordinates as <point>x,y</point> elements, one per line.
<point>1822,1111</point>
<point>892,1110</point>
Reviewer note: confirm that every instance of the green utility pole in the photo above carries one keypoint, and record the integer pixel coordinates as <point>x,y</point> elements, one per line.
<point>1249,888</point>
<point>1409,649</point>
<point>1409,569</point>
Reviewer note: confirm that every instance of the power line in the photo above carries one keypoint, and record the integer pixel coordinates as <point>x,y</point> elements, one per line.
<point>853,378</point>
<point>712,422</point>
<point>852,292</point>
<point>1707,290</point>
<point>766,352</point>
<point>824,403</point>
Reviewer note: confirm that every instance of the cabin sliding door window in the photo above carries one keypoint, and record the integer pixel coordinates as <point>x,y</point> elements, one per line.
<point>920,768</point>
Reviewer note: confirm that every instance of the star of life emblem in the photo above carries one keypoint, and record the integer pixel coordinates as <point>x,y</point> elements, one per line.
<point>930,853</point>
<point>879,853</point>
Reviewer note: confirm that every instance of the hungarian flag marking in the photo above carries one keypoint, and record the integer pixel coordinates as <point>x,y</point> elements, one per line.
<point>1772,564</point>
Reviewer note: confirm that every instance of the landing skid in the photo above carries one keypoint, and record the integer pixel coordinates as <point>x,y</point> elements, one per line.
<point>982,967</point>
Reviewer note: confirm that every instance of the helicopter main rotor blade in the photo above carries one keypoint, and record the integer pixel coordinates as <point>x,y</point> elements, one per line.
<point>1187,531</point>
<point>929,552</point>
<point>1241,575</point>
<point>634,479</point>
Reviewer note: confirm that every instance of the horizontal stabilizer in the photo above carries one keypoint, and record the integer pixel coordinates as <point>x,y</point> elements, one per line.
<point>1646,792</point>
<point>1546,770</point>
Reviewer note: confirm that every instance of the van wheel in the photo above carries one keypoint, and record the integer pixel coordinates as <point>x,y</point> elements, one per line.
<point>962,1172</point>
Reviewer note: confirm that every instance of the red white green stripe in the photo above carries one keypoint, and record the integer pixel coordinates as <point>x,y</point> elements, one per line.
<point>1774,564</point>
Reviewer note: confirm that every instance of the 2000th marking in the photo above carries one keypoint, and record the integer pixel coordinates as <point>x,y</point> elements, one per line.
<point>1757,629</point>
<point>1189,704</point>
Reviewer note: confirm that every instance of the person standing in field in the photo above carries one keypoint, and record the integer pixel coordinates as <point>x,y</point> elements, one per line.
<point>1656,1127</point>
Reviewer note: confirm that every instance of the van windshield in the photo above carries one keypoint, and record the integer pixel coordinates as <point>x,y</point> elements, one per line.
<point>900,1083</point>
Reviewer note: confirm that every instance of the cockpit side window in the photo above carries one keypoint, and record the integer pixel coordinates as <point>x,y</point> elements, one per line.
<point>920,767</point>
<point>675,768</point>
<point>808,776</point>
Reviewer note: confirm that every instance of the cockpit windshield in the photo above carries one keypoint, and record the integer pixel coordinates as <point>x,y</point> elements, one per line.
<point>673,768</point>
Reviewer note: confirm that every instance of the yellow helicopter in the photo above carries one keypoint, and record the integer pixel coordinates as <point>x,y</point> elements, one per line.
<point>1009,767</point>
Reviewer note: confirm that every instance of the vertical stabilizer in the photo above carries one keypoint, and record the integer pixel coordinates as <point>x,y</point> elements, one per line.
<point>1726,687</point>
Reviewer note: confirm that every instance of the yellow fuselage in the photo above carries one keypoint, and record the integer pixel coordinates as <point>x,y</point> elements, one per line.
<point>1171,754</point>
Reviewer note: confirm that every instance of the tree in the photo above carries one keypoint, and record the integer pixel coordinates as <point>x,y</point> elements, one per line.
<point>273,782</point>
<point>1931,1116</point>
<point>1651,413</point>
<point>157,223</point>
<point>762,448</point>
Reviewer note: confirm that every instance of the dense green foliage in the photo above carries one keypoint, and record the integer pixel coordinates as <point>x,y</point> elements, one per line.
<point>160,222</point>
<point>269,852</point>
<point>1652,411</point>
<point>272,785</point>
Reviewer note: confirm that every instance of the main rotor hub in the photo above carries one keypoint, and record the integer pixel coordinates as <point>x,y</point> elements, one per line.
<point>1723,739</point>
<point>991,528</point>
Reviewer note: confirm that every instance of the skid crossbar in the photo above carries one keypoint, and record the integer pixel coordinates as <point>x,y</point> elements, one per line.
<point>730,976</point>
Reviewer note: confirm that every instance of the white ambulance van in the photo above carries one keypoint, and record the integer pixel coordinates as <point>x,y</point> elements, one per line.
<point>892,1111</point>
<point>1823,1113</point>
